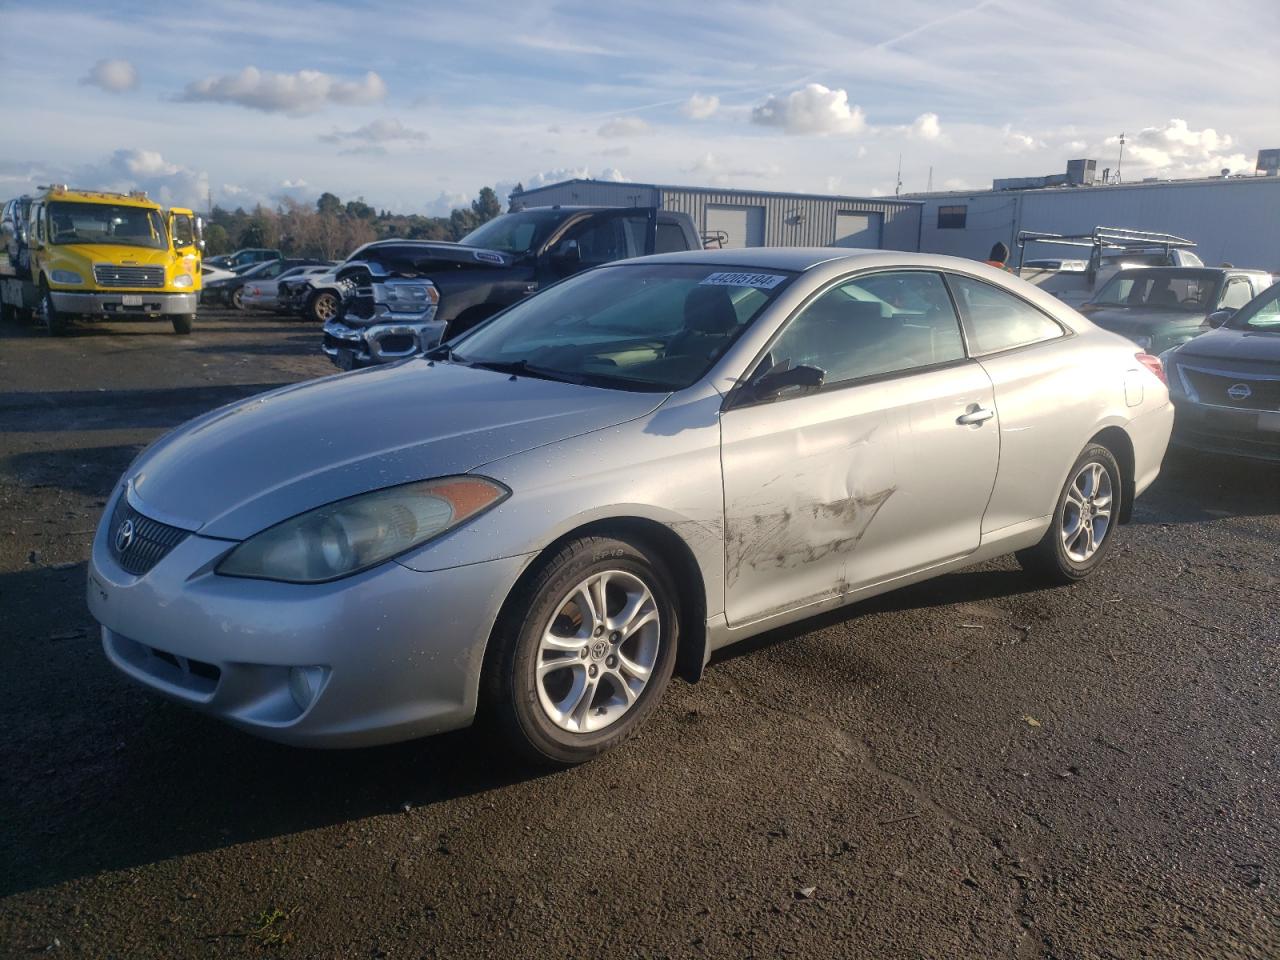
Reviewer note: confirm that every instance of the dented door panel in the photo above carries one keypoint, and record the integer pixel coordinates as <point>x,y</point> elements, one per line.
<point>844,488</point>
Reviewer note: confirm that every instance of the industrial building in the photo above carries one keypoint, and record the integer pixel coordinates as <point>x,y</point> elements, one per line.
<point>1233,219</point>
<point>748,218</point>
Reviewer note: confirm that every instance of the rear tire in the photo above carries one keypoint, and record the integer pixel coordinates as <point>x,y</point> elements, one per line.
<point>237,298</point>
<point>1084,521</point>
<point>615,666</point>
<point>183,322</point>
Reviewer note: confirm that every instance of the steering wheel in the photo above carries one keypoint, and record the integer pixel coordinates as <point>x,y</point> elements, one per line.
<point>1190,301</point>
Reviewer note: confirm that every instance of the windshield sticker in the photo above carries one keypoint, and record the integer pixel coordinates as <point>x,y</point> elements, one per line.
<point>762,281</point>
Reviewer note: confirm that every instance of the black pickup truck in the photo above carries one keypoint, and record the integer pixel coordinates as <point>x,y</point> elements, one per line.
<point>441,289</point>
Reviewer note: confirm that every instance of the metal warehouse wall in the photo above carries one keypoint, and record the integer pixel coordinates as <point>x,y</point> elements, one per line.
<point>814,227</point>
<point>802,221</point>
<point>1235,220</point>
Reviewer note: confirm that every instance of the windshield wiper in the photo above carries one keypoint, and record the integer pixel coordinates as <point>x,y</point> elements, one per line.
<point>519,368</point>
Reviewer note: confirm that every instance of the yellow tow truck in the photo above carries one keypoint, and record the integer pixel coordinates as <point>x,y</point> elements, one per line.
<point>104,256</point>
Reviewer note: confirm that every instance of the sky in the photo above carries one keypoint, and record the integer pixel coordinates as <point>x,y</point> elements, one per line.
<point>415,106</point>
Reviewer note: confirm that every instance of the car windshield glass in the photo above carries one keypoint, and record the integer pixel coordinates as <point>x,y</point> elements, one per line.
<point>106,223</point>
<point>516,232</point>
<point>644,326</point>
<point>1188,290</point>
<point>1262,314</point>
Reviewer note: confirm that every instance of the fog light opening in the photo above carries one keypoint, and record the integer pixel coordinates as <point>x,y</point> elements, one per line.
<point>304,685</point>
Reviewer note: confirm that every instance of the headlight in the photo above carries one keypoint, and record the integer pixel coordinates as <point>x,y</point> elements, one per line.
<point>360,532</point>
<point>182,280</point>
<point>66,276</point>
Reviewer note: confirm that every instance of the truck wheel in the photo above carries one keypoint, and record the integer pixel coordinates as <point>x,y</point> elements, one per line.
<point>324,307</point>
<point>237,298</point>
<point>54,322</point>
<point>182,322</point>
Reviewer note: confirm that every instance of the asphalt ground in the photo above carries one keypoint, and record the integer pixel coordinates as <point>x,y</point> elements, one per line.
<point>971,767</point>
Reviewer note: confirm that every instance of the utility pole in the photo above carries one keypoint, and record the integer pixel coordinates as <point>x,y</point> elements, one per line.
<point>1121,160</point>
<point>898,189</point>
<point>929,189</point>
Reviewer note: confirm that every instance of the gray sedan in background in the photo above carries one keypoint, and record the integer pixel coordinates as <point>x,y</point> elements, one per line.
<point>546,518</point>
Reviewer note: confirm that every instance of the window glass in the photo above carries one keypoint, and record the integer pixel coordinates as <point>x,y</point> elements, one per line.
<point>1261,314</point>
<point>995,320</point>
<point>1237,294</point>
<point>72,223</point>
<point>184,231</point>
<point>670,239</point>
<point>605,239</point>
<point>953,217</point>
<point>1165,289</point>
<point>882,323</point>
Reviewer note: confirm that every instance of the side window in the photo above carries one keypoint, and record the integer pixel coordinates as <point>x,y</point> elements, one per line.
<point>877,324</point>
<point>609,238</point>
<point>995,320</point>
<point>670,239</point>
<point>39,218</point>
<point>184,234</point>
<point>1237,294</point>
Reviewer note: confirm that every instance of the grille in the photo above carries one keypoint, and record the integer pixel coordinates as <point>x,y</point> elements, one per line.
<point>108,275</point>
<point>1215,388</point>
<point>148,543</point>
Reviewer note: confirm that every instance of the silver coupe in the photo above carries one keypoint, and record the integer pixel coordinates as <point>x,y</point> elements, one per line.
<point>544,519</point>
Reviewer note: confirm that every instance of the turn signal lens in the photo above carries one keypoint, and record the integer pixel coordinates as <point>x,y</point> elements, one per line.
<point>1153,364</point>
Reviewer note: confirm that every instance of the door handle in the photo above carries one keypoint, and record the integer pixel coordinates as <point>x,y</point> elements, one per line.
<point>975,416</point>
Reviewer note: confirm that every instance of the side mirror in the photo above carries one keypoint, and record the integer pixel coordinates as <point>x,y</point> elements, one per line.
<point>800,378</point>
<point>1220,317</point>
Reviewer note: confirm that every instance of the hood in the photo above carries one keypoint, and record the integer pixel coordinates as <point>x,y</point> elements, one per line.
<point>1227,344</point>
<point>440,253</point>
<point>1142,319</point>
<point>119,254</point>
<point>246,466</point>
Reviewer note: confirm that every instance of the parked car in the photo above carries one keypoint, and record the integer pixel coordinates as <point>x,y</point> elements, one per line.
<point>230,292</point>
<point>1161,307</point>
<point>494,266</point>
<point>244,258</point>
<point>547,516</point>
<point>264,294</point>
<point>1109,250</point>
<point>1225,385</point>
<point>210,274</point>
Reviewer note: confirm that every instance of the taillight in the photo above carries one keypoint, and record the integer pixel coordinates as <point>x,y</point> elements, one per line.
<point>1153,364</point>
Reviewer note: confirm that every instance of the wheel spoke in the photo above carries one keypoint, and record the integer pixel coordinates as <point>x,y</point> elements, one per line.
<point>649,616</point>
<point>633,605</point>
<point>558,663</point>
<point>598,599</point>
<point>577,712</point>
<point>628,667</point>
<point>624,688</point>
<point>555,642</point>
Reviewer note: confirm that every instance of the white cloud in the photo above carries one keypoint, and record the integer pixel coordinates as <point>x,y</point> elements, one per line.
<point>114,76</point>
<point>1015,142</point>
<point>446,203</point>
<point>699,106</point>
<point>1175,150</point>
<point>377,131</point>
<point>169,183</point>
<point>1077,146</point>
<point>300,92</point>
<point>624,127</point>
<point>560,45</point>
<point>812,109</point>
<point>925,127</point>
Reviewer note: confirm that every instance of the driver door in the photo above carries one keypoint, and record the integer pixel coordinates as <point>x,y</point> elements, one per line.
<point>882,469</point>
<point>184,234</point>
<point>599,238</point>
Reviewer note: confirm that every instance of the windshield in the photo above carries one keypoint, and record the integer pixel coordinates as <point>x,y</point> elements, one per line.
<point>648,327</point>
<point>1262,313</point>
<point>1190,290</point>
<point>106,223</point>
<point>516,232</point>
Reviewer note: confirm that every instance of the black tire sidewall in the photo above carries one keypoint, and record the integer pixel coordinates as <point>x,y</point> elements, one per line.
<point>237,298</point>
<point>55,323</point>
<point>1071,569</point>
<point>516,691</point>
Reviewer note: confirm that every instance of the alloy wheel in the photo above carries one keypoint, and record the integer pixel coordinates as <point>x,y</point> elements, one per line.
<point>326,307</point>
<point>1086,515</point>
<point>598,651</point>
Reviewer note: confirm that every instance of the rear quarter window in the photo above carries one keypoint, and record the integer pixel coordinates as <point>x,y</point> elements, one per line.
<point>995,320</point>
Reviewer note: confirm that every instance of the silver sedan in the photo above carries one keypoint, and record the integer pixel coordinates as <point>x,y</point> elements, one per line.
<point>546,518</point>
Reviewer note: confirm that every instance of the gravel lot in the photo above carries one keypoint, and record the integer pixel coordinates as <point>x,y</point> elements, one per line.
<point>971,767</point>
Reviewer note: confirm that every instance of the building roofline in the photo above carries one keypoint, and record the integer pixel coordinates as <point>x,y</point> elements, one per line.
<point>1085,188</point>
<point>758,193</point>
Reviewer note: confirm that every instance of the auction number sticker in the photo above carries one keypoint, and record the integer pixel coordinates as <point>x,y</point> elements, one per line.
<point>762,281</point>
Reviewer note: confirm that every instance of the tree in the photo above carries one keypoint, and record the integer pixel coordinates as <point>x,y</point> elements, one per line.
<point>486,206</point>
<point>360,210</point>
<point>329,204</point>
<point>216,240</point>
<point>514,203</point>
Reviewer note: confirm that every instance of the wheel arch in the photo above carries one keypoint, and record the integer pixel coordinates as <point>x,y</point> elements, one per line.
<point>1116,440</point>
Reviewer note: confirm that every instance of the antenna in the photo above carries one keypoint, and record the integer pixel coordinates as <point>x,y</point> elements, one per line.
<point>898,189</point>
<point>1121,160</point>
<point>929,189</point>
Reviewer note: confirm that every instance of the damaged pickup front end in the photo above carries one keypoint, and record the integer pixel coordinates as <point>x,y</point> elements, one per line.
<point>384,316</point>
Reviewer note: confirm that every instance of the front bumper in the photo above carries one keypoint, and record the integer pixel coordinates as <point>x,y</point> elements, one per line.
<point>144,303</point>
<point>1252,434</point>
<point>387,655</point>
<point>391,337</point>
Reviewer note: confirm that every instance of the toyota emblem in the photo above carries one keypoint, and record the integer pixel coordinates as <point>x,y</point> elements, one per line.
<point>124,536</point>
<point>1239,391</point>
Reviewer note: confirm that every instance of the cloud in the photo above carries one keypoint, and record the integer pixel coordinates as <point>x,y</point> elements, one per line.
<point>1175,150</point>
<point>300,92</point>
<point>699,107</point>
<point>811,109</point>
<point>925,127</point>
<point>711,166</point>
<point>377,131</point>
<point>113,76</point>
<point>624,127</point>
<point>446,203</point>
<point>1015,142</point>
<point>558,45</point>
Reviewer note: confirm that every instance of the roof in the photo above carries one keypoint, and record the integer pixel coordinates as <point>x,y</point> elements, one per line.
<point>800,259</point>
<point>73,195</point>
<point>755,193</point>
<point>1086,188</point>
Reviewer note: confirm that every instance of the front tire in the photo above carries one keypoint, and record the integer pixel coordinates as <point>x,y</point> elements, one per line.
<point>324,306</point>
<point>54,322</point>
<point>583,651</point>
<point>237,298</point>
<point>183,322</point>
<point>1084,521</point>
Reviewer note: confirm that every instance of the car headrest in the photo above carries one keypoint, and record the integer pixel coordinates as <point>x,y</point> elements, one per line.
<point>709,309</point>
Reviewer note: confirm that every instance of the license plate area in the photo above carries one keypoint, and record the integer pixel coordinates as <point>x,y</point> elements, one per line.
<point>131,300</point>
